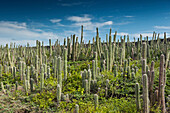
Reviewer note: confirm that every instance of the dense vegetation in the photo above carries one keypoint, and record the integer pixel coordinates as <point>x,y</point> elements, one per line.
<point>111,76</point>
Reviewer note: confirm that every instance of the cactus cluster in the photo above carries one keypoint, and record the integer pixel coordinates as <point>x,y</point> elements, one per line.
<point>31,67</point>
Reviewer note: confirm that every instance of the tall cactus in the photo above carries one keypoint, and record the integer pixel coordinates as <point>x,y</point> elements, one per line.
<point>59,76</point>
<point>58,93</point>
<point>14,72</point>
<point>86,86</point>
<point>144,50</point>
<point>93,70</point>
<point>81,34</point>
<point>0,70</point>
<point>137,89</point>
<point>76,108</point>
<point>20,70</point>
<point>42,78</point>
<point>55,67</point>
<point>151,86</point>
<point>89,79</point>
<point>73,48</point>
<point>161,75</point>
<point>96,101</point>
<point>96,63</point>
<point>115,70</point>
<point>143,66</point>
<point>145,94</point>
<point>161,101</point>
<point>50,51</point>
<point>65,64</point>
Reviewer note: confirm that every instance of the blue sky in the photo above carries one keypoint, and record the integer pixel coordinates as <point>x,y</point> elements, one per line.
<point>24,21</point>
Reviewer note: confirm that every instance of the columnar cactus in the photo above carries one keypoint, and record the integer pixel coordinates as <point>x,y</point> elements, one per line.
<point>96,101</point>
<point>128,72</point>
<point>42,78</point>
<point>55,67</point>
<point>45,71</point>
<point>28,76</point>
<point>96,63</point>
<point>123,49</point>
<point>32,84</point>
<point>137,93</point>
<point>48,72</point>
<point>20,70</point>
<point>14,72</point>
<point>81,34</point>
<point>144,50</point>
<point>59,76</point>
<point>164,79</point>
<point>151,82</point>
<point>161,76</point>
<point>125,67</point>
<point>2,87</point>
<point>115,70</point>
<point>110,53</point>
<point>107,60</point>
<point>145,94</point>
<point>65,64</point>
<point>76,108</point>
<point>45,59</point>
<point>143,66</point>
<point>104,65</point>
<point>25,82</point>
<point>106,91</point>
<point>97,43</point>
<point>120,56</point>
<point>73,49</point>
<point>93,70</point>
<point>16,85</point>
<point>162,98</point>
<point>50,51</point>
<point>0,70</point>
<point>58,93</point>
<point>68,46</point>
<point>86,86</point>
<point>89,79</point>
<point>40,53</point>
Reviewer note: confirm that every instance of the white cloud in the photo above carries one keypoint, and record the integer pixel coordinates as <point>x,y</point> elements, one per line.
<point>87,23</point>
<point>55,20</point>
<point>128,16</point>
<point>162,27</point>
<point>92,25</point>
<point>107,23</point>
<point>15,25</point>
<point>79,19</point>
<point>19,32</point>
